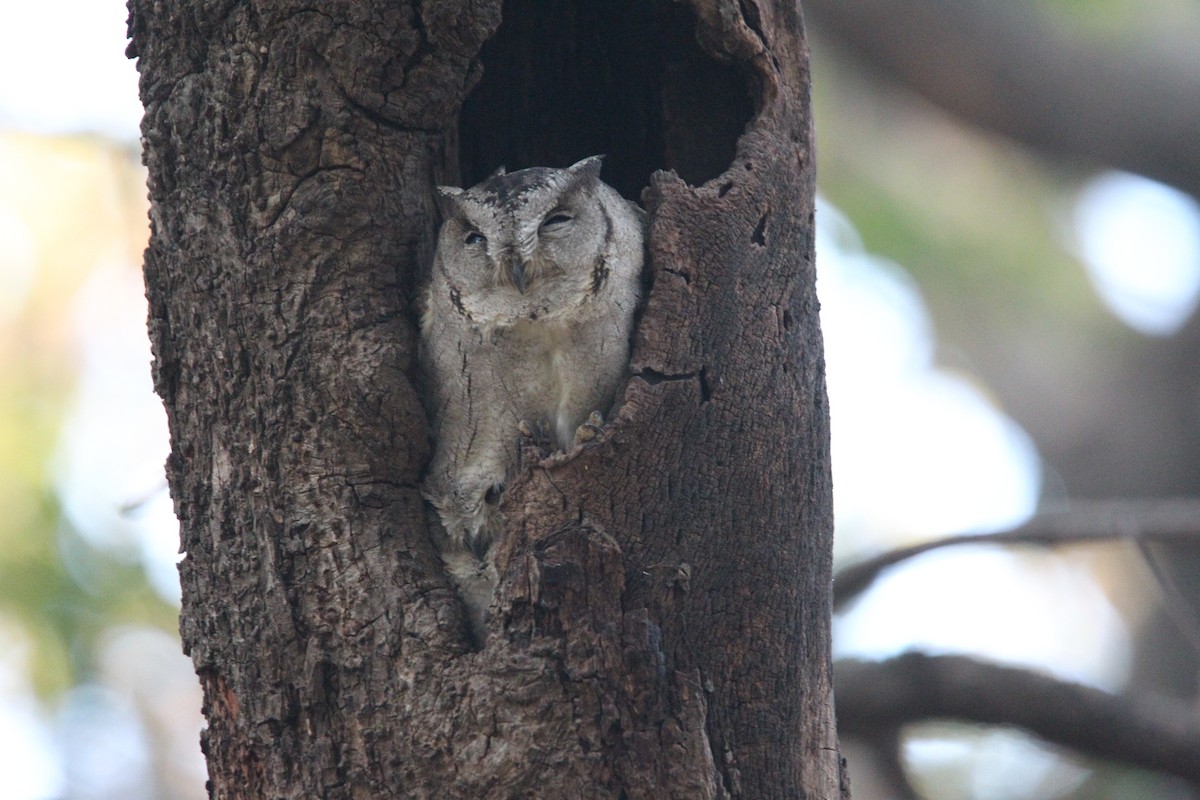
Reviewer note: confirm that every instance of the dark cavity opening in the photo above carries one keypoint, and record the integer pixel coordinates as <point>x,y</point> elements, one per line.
<point>566,79</point>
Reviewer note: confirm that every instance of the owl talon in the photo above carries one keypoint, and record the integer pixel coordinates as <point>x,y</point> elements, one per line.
<point>588,430</point>
<point>538,431</point>
<point>535,435</point>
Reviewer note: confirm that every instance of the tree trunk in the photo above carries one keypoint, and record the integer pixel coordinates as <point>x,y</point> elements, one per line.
<point>662,624</point>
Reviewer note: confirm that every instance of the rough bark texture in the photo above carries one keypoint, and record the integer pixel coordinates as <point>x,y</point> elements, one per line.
<point>662,625</point>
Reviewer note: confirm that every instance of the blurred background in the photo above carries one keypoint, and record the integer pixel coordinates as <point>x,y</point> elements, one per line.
<point>1007,331</point>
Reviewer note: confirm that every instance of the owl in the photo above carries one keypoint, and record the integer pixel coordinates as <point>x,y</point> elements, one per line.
<point>525,325</point>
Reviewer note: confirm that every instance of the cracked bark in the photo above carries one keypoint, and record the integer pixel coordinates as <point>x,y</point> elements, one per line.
<point>662,624</point>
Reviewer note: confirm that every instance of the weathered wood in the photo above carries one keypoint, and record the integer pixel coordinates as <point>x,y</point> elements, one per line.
<point>662,625</point>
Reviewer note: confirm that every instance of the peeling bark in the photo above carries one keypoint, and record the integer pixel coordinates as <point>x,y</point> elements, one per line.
<point>662,624</point>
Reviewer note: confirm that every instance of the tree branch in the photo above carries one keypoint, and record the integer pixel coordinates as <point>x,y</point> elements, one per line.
<point>1001,66</point>
<point>1143,731</point>
<point>1086,521</point>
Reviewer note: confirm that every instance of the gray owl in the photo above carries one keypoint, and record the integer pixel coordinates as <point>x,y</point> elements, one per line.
<point>526,323</point>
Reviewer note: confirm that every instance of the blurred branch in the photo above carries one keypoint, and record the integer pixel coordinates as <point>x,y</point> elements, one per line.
<point>1004,67</point>
<point>1142,731</point>
<point>1180,609</point>
<point>1085,521</point>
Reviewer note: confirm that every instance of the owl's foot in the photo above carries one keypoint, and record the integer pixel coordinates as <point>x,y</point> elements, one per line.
<point>536,435</point>
<point>590,427</point>
<point>538,432</point>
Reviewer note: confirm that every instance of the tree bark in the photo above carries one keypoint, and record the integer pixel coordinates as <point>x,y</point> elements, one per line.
<point>662,624</point>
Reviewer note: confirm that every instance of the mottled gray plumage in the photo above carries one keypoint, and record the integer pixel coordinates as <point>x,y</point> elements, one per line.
<point>527,318</point>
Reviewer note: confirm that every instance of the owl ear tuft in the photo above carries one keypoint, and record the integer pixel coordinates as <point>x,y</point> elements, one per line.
<point>448,200</point>
<point>588,168</point>
<point>496,173</point>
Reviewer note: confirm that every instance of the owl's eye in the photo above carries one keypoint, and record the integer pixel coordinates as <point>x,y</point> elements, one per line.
<point>474,237</point>
<point>554,220</point>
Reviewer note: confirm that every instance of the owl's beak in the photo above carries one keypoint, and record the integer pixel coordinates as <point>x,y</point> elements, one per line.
<point>516,268</point>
